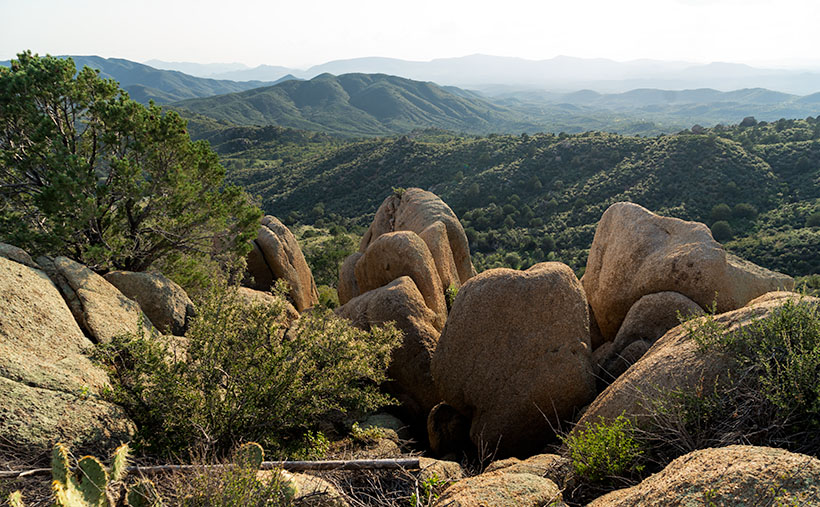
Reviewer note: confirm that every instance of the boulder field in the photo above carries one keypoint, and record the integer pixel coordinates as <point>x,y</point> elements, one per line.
<point>518,355</point>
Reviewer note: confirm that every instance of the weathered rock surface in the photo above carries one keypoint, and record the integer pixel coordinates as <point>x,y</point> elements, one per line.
<point>49,389</point>
<point>311,491</point>
<point>447,471</point>
<point>636,252</point>
<point>516,349</point>
<point>164,302</point>
<point>653,315</point>
<point>398,254</point>
<point>276,255</point>
<point>736,475</point>
<point>16,254</point>
<point>551,466</point>
<point>348,286</point>
<point>401,302</point>
<point>101,310</point>
<point>675,363</point>
<point>416,210</point>
<point>502,490</point>
<point>435,237</point>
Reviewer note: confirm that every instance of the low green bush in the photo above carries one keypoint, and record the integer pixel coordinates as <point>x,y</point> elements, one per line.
<point>245,375</point>
<point>605,450</point>
<point>770,396</point>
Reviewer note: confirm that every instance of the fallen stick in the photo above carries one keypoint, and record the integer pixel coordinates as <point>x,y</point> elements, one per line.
<point>291,466</point>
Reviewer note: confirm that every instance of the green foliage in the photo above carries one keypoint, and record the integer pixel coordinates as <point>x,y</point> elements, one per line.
<point>450,295</point>
<point>784,351</point>
<point>813,220</point>
<point>366,435</point>
<point>143,494</point>
<point>242,378</point>
<point>249,455</point>
<point>16,499</point>
<point>325,252</point>
<point>722,231</point>
<point>720,212</point>
<point>429,492</point>
<point>239,485</point>
<point>605,450</point>
<point>744,210</point>
<point>769,396</point>
<point>87,172</point>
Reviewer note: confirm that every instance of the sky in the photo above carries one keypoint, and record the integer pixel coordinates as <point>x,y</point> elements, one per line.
<point>301,33</point>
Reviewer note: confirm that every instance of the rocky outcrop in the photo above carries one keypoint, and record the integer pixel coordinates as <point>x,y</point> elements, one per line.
<point>636,252</point>
<point>49,388</point>
<point>733,475</point>
<point>553,467</point>
<point>674,363</point>
<point>502,490</point>
<point>101,310</point>
<point>398,254</point>
<point>165,303</point>
<point>16,254</point>
<point>401,302</point>
<point>648,319</point>
<point>416,210</point>
<point>348,287</point>
<point>515,351</point>
<point>276,254</point>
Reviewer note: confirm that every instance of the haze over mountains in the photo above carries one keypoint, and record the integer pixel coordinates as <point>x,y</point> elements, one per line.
<point>375,104</point>
<point>495,73</point>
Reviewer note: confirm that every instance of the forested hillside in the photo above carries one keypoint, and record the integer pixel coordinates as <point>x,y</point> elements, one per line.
<point>528,198</point>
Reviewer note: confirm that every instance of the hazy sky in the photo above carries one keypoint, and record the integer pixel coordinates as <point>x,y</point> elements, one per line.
<point>300,33</point>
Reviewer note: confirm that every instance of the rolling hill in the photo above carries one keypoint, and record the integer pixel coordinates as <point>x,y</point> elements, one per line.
<point>361,105</point>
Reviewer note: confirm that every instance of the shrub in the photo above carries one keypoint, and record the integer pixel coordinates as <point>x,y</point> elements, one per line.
<point>770,397</point>
<point>720,212</point>
<point>722,231</point>
<point>745,210</point>
<point>605,450</point>
<point>813,220</point>
<point>450,294</point>
<point>243,378</point>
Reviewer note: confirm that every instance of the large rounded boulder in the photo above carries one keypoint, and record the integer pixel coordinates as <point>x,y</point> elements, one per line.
<point>736,475</point>
<point>101,310</point>
<point>416,210</point>
<point>49,389</point>
<point>275,254</point>
<point>164,302</point>
<point>502,490</point>
<point>676,363</point>
<point>636,252</point>
<point>402,303</point>
<point>398,254</point>
<point>515,353</point>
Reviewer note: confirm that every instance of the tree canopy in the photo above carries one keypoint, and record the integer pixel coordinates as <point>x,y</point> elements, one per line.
<point>87,172</point>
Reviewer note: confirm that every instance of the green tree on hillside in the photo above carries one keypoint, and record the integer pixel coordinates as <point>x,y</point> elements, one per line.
<point>87,172</point>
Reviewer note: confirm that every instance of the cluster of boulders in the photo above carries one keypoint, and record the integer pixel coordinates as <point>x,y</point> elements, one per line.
<point>515,357</point>
<point>56,310</point>
<point>412,253</point>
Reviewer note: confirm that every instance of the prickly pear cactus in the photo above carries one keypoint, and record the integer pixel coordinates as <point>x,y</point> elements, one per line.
<point>93,485</point>
<point>16,499</point>
<point>250,455</point>
<point>143,494</point>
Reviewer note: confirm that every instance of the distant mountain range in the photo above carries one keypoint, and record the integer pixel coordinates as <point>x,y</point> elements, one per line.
<point>492,74</point>
<point>146,83</point>
<point>378,104</point>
